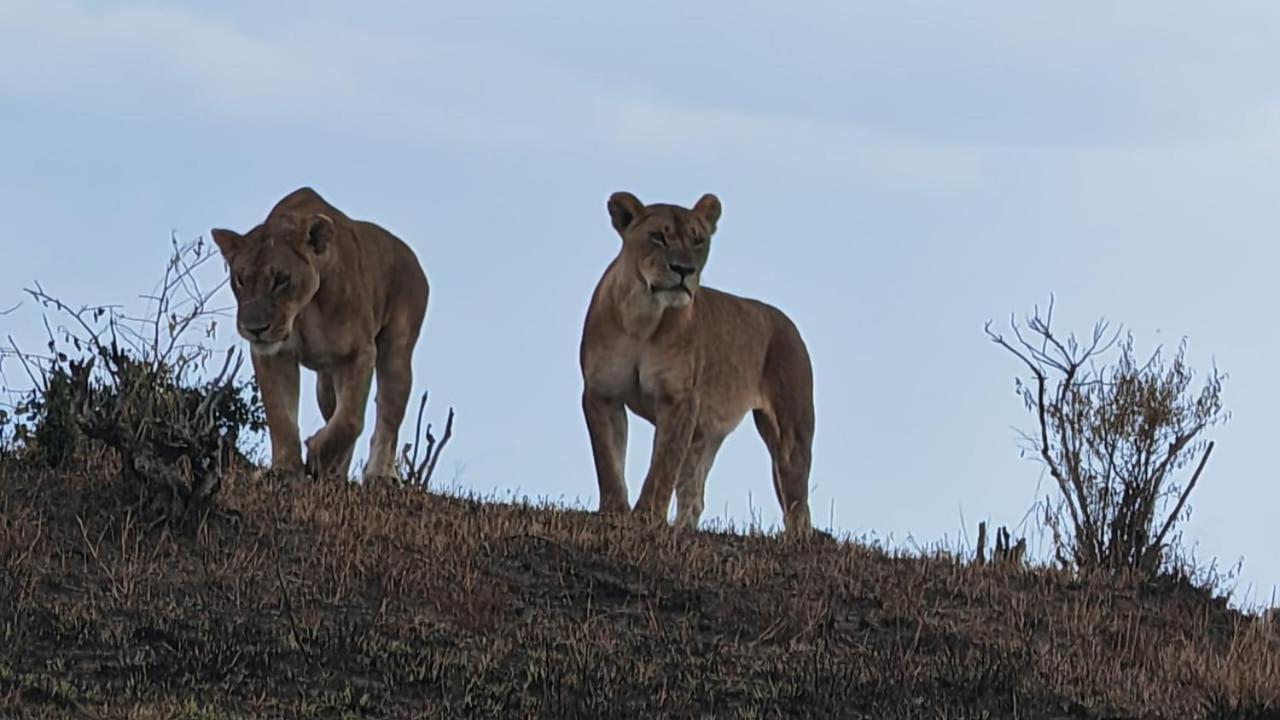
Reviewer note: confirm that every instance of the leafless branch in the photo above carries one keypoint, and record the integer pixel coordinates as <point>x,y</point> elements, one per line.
<point>26,365</point>
<point>419,472</point>
<point>1158,542</point>
<point>435,456</point>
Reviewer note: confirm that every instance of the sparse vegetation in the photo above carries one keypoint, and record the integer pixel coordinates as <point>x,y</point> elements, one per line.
<point>1115,438</point>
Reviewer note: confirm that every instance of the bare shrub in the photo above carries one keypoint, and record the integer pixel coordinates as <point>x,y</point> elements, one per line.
<point>415,471</point>
<point>137,385</point>
<point>1116,437</point>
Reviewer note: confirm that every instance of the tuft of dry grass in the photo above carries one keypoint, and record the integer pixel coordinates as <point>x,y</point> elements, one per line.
<point>336,600</point>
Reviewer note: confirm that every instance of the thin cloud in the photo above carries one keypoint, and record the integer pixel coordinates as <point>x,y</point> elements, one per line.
<point>324,74</point>
<point>798,143</point>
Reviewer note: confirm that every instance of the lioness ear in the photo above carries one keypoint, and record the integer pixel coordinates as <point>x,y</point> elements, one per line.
<point>227,241</point>
<point>319,233</point>
<point>624,208</point>
<point>708,208</point>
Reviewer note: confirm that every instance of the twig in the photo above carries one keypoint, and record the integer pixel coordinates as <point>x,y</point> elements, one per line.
<point>417,433</point>
<point>46,300</point>
<point>448,433</point>
<point>1153,548</point>
<point>26,365</point>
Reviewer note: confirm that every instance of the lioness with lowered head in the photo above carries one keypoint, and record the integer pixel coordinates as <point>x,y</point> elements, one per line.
<point>692,361</point>
<point>340,297</point>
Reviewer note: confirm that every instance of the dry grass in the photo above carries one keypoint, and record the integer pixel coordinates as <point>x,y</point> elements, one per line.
<point>328,600</point>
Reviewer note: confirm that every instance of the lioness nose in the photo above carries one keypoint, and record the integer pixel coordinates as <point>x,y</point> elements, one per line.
<point>257,330</point>
<point>682,270</point>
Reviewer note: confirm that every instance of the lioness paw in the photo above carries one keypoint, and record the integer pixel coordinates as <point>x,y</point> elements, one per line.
<point>614,506</point>
<point>281,472</point>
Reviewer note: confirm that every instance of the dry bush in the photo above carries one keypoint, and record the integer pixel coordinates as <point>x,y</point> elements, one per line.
<point>417,464</point>
<point>138,386</point>
<point>1116,437</point>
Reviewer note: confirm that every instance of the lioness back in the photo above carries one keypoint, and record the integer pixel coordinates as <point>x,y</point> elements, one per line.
<point>401,275</point>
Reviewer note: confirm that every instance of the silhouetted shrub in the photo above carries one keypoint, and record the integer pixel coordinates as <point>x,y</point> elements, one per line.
<point>137,386</point>
<point>1116,437</point>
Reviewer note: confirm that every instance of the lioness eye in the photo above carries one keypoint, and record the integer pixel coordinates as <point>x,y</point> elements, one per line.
<point>657,239</point>
<point>280,282</point>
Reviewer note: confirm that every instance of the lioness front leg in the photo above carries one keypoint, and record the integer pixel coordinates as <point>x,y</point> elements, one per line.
<point>673,432</point>
<point>277,377</point>
<point>691,488</point>
<point>607,426</point>
<point>329,450</point>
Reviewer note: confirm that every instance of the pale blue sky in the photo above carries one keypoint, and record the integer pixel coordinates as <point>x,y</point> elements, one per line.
<point>892,176</point>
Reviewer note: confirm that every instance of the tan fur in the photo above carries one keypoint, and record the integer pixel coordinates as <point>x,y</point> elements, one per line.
<point>340,297</point>
<point>692,361</point>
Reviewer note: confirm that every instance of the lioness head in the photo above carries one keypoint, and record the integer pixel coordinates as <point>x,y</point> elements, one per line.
<point>275,271</point>
<point>666,244</point>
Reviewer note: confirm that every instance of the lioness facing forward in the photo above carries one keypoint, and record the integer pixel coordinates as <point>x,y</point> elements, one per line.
<point>692,361</point>
<point>341,297</point>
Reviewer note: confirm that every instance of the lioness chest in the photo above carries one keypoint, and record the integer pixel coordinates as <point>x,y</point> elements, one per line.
<point>321,343</point>
<point>627,370</point>
<point>641,376</point>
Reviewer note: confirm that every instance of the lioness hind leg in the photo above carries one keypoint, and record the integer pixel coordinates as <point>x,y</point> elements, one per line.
<point>786,423</point>
<point>793,479</point>
<point>768,429</point>
<point>789,449</point>
<point>395,382</point>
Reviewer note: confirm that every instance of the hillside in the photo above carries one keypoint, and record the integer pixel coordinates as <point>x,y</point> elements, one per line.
<point>325,600</point>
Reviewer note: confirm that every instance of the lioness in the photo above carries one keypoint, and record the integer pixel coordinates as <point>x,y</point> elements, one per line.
<point>340,297</point>
<point>692,361</point>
